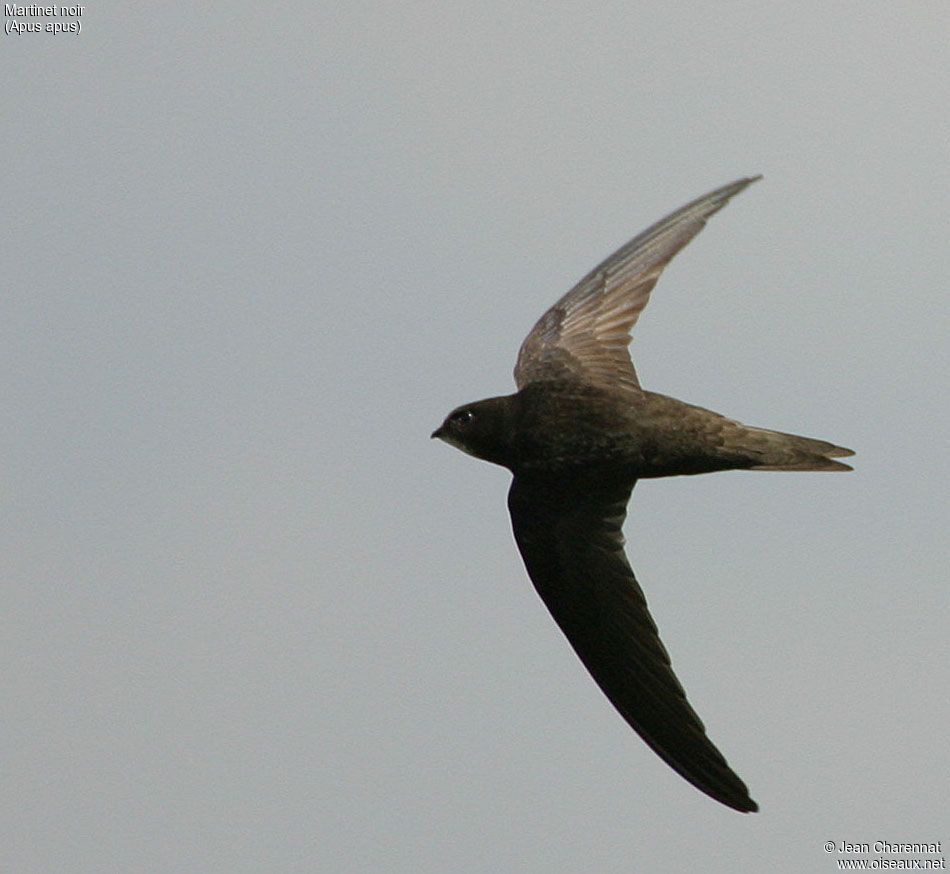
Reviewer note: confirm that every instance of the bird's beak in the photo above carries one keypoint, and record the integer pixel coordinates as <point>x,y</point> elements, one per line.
<point>436,433</point>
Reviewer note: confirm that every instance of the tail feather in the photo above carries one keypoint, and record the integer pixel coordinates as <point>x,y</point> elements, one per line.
<point>779,451</point>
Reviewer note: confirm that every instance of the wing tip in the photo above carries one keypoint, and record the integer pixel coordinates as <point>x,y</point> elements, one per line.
<point>743,805</point>
<point>722,784</point>
<point>726,787</point>
<point>721,196</point>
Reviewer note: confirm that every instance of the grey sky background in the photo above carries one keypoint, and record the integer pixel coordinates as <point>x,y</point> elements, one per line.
<point>253,619</point>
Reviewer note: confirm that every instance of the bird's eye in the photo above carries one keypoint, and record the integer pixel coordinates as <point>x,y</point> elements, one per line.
<point>463,417</point>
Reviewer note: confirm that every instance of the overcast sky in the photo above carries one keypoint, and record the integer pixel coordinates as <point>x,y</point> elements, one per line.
<point>253,619</point>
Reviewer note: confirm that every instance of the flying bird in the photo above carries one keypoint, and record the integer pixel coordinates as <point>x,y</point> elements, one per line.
<point>577,435</point>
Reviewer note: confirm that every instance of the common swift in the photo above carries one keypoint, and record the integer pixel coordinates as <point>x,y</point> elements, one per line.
<point>577,435</point>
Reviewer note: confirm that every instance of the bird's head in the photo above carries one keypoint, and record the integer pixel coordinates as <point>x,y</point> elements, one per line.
<point>482,429</point>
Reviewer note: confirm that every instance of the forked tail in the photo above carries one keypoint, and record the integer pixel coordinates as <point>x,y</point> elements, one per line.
<point>779,451</point>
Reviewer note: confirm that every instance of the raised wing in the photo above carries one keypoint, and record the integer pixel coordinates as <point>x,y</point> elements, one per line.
<point>570,538</point>
<point>585,334</point>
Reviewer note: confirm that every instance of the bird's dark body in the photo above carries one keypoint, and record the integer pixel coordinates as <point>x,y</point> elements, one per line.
<point>577,435</point>
<point>569,428</point>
